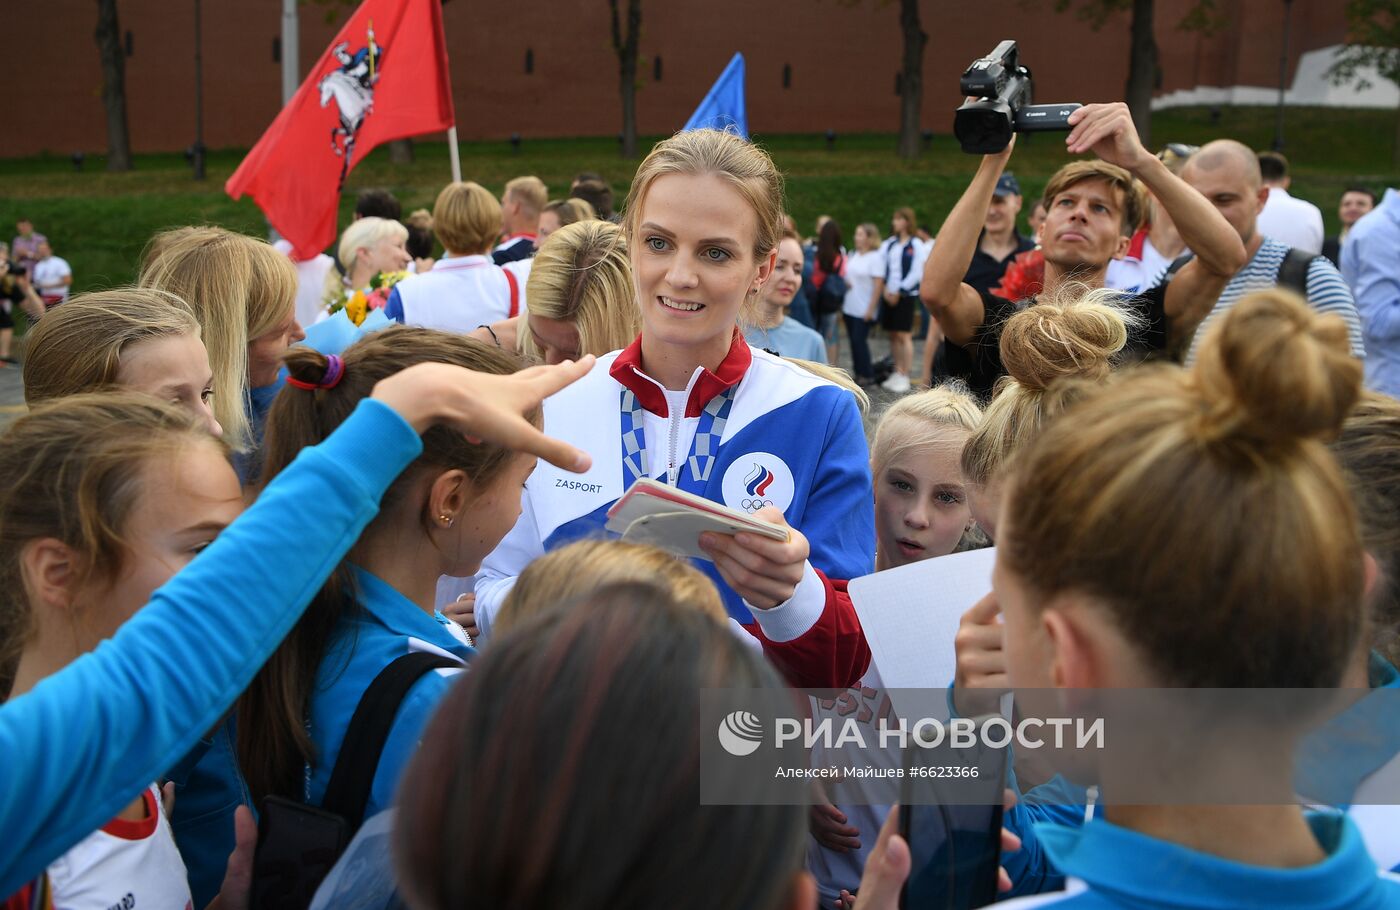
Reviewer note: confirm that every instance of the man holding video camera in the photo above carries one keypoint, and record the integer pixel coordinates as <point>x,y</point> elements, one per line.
<point>1092,209</point>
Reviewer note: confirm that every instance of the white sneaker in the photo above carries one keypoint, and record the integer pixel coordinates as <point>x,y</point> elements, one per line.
<point>897,382</point>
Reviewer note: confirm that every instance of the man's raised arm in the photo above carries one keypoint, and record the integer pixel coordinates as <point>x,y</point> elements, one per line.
<point>957,307</point>
<point>1108,131</point>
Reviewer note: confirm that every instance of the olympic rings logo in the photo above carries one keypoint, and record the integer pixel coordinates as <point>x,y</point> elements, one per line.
<point>753,505</point>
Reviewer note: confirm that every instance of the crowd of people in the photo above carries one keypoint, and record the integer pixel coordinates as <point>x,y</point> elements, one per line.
<point>251,567</point>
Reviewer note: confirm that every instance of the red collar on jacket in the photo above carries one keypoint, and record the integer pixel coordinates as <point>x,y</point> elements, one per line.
<point>1139,240</point>
<point>627,369</point>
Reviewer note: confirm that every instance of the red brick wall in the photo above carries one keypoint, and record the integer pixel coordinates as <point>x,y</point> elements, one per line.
<point>843,60</point>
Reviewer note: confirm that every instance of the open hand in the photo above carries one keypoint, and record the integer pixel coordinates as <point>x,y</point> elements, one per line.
<point>485,406</point>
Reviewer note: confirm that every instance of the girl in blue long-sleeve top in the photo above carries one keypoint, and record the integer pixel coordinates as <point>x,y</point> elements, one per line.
<point>1189,529</point>
<point>450,509</point>
<point>84,741</point>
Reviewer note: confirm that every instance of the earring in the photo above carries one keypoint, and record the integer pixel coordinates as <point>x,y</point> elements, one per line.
<point>446,520</point>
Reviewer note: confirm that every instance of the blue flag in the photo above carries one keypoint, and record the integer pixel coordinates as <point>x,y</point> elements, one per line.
<point>723,107</point>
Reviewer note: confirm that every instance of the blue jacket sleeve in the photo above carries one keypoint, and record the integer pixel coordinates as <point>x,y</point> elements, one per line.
<point>839,516</point>
<point>1030,870</point>
<point>393,307</point>
<point>79,745</point>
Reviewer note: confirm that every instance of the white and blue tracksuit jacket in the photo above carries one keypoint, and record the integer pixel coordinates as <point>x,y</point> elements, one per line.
<point>790,439</point>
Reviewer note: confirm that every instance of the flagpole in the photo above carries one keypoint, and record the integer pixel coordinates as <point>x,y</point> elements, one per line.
<point>453,153</point>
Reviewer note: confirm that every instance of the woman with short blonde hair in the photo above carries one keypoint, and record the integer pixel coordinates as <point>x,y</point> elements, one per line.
<point>465,289</point>
<point>466,218</point>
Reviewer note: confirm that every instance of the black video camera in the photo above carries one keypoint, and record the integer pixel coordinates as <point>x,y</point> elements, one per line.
<point>1002,89</point>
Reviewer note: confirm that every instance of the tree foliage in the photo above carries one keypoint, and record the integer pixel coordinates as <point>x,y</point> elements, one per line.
<point>1373,41</point>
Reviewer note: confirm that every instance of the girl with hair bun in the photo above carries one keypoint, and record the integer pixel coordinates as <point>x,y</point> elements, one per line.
<point>448,510</point>
<point>1052,354</point>
<point>1099,592</point>
<point>692,405</point>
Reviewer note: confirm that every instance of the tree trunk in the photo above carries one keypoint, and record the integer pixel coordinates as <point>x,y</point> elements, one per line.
<point>113,86</point>
<point>911,79</point>
<point>625,46</point>
<point>401,151</point>
<point>1142,70</point>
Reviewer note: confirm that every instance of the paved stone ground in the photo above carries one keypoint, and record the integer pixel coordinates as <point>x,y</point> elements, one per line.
<point>12,386</point>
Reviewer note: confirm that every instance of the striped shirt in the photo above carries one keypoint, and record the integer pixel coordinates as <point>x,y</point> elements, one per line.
<point>1327,292</point>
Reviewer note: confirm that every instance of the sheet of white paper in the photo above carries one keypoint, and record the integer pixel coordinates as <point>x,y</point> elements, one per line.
<point>910,615</point>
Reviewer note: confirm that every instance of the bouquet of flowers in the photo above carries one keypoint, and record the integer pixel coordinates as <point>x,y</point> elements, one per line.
<point>358,303</point>
<point>1024,277</point>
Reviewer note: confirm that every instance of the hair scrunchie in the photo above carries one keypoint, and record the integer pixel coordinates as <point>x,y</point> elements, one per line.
<point>335,371</point>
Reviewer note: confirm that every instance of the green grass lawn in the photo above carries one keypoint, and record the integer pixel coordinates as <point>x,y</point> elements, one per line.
<point>99,222</point>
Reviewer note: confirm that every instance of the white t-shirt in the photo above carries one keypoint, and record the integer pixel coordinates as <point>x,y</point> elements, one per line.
<point>1136,274</point>
<point>869,703</point>
<point>896,278</point>
<point>124,864</point>
<point>459,294</point>
<point>1295,222</point>
<point>48,275</point>
<point>861,271</point>
<point>311,283</point>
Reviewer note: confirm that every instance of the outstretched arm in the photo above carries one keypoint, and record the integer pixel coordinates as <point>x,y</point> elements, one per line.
<point>1107,130</point>
<point>956,306</point>
<point>114,719</point>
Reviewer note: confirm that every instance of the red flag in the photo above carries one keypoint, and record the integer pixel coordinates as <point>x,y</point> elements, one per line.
<point>384,77</point>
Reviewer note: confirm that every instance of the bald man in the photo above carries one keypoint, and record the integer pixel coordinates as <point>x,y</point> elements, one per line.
<point>1227,174</point>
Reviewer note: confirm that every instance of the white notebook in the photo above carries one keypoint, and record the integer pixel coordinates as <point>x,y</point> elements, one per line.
<point>655,513</point>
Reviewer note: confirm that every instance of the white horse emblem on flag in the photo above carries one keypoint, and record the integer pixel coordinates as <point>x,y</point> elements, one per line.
<point>351,86</point>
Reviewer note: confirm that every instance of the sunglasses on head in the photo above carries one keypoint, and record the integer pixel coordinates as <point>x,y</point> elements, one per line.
<point>1177,150</point>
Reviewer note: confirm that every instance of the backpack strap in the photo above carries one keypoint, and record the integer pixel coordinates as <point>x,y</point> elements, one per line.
<point>1177,265</point>
<point>514,293</point>
<point>355,766</point>
<point>1293,270</point>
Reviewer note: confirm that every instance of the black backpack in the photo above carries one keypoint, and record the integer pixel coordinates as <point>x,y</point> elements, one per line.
<point>299,844</point>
